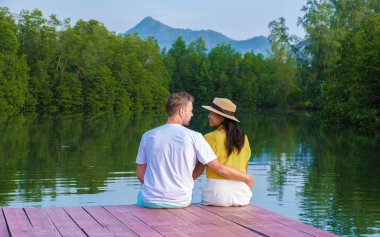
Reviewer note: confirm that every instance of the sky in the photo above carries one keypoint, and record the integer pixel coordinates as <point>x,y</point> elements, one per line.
<point>239,19</point>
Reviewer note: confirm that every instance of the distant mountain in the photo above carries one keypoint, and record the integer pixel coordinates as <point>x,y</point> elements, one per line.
<point>166,35</point>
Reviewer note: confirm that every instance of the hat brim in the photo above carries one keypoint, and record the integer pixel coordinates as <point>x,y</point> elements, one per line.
<point>220,113</point>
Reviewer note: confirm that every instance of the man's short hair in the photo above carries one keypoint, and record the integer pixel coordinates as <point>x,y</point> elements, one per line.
<point>176,101</point>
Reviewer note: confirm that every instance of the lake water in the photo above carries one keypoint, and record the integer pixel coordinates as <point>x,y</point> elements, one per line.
<point>326,178</point>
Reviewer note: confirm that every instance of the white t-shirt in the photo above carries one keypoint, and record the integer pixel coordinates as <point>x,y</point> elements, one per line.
<point>170,152</point>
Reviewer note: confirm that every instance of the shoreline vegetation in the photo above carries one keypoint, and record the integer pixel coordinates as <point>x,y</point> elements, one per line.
<point>51,66</point>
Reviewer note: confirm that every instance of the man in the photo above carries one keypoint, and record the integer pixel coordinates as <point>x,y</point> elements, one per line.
<point>167,157</point>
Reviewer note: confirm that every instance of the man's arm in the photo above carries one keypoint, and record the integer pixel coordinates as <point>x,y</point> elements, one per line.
<point>140,172</point>
<point>198,170</point>
<point>230,173</point>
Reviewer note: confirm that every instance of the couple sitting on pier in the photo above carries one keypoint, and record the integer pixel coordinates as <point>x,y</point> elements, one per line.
<point>171,156</point>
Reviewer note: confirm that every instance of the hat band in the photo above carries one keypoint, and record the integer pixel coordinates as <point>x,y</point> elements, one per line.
<point>222,110</point>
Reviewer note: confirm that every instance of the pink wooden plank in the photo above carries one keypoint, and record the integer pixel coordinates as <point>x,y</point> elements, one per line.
<point>212,225</point>
<point>44,234</point>
<point>86,222</point>
<point>209,216</point>
<point>41,222</point>
<point>204,230</point>
<point>132,222</point>
<point>63,222</point>
<point>3,225</point>
<point>257,224</point>
<point>169,224</point>
<point>188,216</point>
<point>251,211</point>
<point>108,221</point>
<point>290,222</point>
<point>18,223</point>
<point>221,222</point>
<point>246,217</point>
<point>155,217</point>
<point>169,231</point>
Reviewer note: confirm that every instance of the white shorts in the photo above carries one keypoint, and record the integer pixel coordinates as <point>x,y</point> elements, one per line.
<point>221,192</point>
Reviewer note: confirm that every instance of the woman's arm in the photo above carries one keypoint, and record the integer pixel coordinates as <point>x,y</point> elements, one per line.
<point>198,170</point>
<point>230,173</point>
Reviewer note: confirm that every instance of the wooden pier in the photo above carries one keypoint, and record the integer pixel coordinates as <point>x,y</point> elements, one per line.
<point>131,220</point>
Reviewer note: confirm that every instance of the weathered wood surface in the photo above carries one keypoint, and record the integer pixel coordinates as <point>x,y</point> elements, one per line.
<point>131,220</point>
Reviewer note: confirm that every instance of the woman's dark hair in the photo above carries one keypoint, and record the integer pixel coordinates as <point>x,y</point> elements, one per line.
<point>235,136</point>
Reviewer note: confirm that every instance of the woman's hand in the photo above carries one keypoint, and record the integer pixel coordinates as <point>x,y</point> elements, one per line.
<point>250,181</point>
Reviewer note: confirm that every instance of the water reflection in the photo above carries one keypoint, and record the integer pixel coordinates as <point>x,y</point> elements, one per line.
<point>327,179</point>
<point>44,158</point>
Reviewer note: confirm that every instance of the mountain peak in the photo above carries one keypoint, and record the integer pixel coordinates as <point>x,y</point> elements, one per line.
<point>166,35</point>
<point>149,27</point>
<point>148,20</point>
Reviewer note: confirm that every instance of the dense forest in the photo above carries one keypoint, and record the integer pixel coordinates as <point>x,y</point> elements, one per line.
<point>49,65</point>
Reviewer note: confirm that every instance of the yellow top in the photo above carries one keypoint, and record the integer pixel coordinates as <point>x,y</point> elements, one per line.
<point>239,161</point>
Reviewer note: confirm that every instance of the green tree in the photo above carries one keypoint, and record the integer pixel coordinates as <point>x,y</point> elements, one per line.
<point>118,63</point>
<point>321,43</point>
<point>225,67</point>
<point>352,95</point>
<point>247,88</point>
<point>13,68</point>
<point>189,68</point>
<point>38,38</point>
<point>68,91</point>
<point>96,78</point>
<point>147,72</point>
<point>177,65</point>
<point>284,72</point>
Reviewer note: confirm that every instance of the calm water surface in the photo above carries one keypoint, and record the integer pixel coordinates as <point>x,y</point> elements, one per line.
<point>328,179</point>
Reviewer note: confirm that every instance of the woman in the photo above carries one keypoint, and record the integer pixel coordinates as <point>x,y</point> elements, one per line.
<point>231,147</point>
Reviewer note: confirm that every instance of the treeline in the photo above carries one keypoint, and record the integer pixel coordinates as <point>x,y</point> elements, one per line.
<point>47,65</point>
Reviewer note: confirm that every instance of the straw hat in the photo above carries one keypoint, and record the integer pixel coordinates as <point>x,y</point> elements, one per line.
<point>224,107</point>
